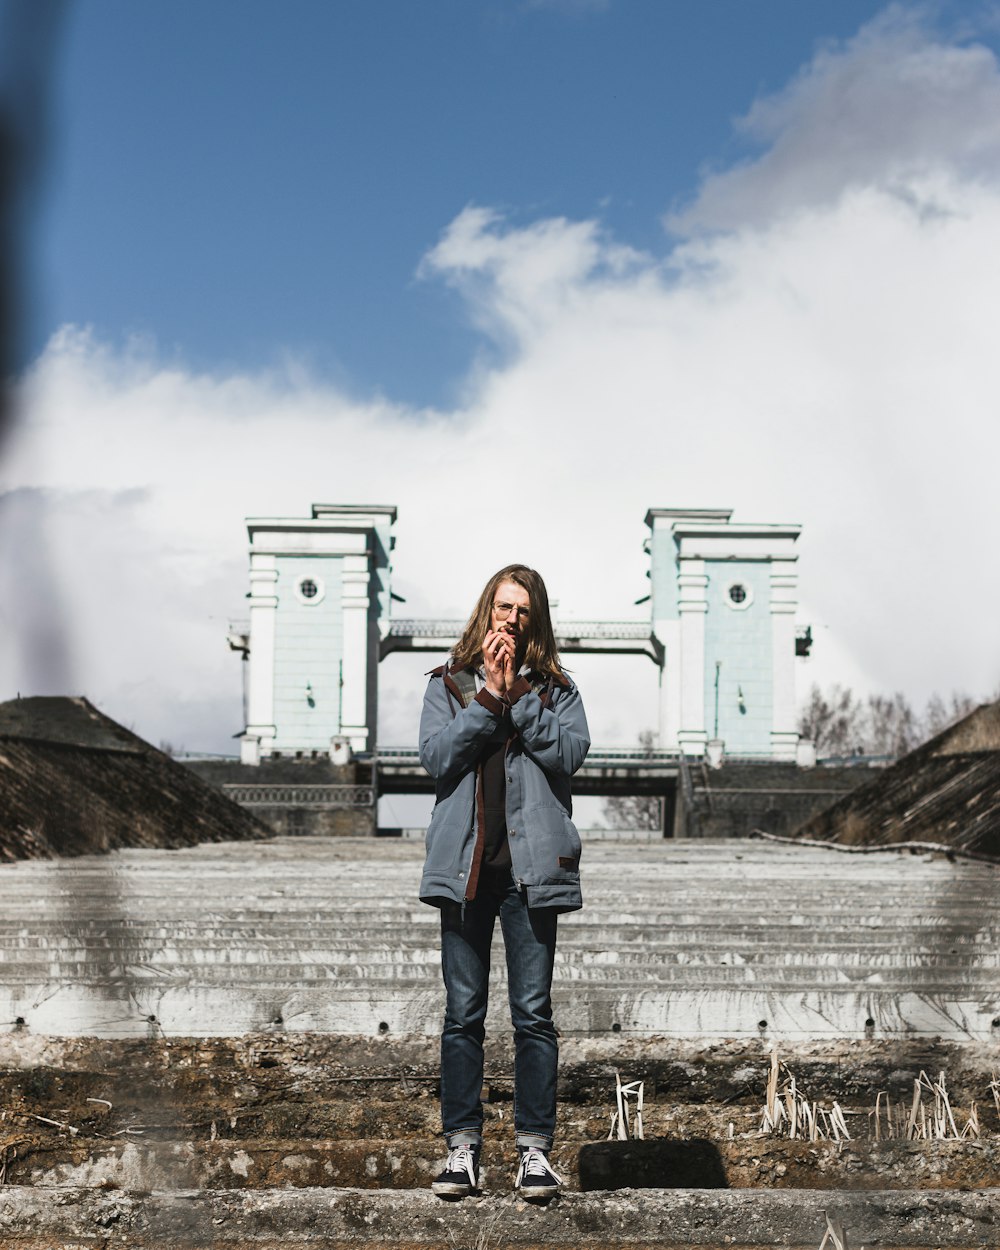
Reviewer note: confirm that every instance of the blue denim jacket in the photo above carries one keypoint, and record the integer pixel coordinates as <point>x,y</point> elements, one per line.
<point>548,742</point>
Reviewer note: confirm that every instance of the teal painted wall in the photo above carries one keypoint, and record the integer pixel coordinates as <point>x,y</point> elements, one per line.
<point>741,639</point>
<point>308,646</point>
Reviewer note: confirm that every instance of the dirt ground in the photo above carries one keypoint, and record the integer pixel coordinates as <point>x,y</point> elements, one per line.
<point>311,1110</point>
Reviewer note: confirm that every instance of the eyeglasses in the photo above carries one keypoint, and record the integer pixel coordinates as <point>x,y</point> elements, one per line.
<point>504,610</point>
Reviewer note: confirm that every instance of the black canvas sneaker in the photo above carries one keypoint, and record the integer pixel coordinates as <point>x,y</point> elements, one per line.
<point>535,1178</point>
<point>460,1176</point>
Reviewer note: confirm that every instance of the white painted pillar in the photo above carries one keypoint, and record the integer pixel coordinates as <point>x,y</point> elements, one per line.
<point>669,634</point>
<point>784,602</point>
<point>692,584</point>
<point>260,729</point>
<point>354,607</point>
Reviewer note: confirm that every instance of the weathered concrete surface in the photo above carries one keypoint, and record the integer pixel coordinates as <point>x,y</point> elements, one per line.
<point>301,1110</point>
<point>327,1219</point>
<point>262,1078</point>
<point>709,1161</point>
<point>688,940</point>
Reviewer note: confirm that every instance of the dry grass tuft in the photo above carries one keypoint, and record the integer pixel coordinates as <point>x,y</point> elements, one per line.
<point>487,1235</point>
<point>788,1112</point>
<point>932,1122</point>
<point>622,1128</point>
<point>835,1237</point>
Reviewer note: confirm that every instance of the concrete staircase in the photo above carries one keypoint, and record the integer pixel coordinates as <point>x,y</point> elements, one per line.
<point>677,939</point>
<point>235,1045</point>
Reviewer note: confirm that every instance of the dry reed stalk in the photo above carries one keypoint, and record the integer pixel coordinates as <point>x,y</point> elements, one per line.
<point>620,1126</point>
<point>792,1106</point>
<point>915,1109</point>
<point>487,1234</point>
<point>938,1123</point>
<point>835,1236</point>
<point>772,1083</point>
<point>838,1123</point>
<point>806,1120</point>
<point>69,1128</point>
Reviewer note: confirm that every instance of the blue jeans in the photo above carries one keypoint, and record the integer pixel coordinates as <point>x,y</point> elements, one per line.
<point>529,936</point>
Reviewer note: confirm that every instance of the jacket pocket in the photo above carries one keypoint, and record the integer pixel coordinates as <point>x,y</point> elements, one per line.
<point>445,842</point>
<point>555,843</point>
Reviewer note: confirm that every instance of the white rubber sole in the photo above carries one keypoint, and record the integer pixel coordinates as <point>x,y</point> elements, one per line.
<point>538,1193</point>
<point>451,1189</point>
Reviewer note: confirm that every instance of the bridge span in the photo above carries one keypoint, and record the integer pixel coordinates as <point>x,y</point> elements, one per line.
<point>572,637</point>
<point>606,771</point>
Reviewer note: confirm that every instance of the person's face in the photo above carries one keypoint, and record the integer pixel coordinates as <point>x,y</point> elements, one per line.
<point>511,609</point>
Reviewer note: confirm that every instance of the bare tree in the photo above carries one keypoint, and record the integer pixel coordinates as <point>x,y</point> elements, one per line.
<point>635,811</point>
<point>833,722</point>
<point>939,714</point>
<point>893,727</point>
<point>842,723</point>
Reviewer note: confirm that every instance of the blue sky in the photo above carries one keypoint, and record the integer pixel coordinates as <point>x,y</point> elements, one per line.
<point>239,179</point>
<point>585,258</point>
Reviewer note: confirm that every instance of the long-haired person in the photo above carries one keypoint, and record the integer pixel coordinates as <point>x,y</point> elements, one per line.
<point>502,732</point>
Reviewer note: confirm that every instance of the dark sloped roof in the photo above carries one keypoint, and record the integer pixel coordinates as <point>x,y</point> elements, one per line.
<point>744,776</point>
<point>947,791</point>
<point>75,782</point>
<point>69,722</point>
<point>744,795</point>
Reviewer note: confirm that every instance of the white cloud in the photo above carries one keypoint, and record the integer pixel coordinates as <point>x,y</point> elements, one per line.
<point>831,364</point>
<point>886,108</point>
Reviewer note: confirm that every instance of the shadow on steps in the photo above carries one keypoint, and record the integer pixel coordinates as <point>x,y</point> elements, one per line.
<point>694,1163</point>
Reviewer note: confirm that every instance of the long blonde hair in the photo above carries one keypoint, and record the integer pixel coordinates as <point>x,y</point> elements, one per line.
<point>540,653</point>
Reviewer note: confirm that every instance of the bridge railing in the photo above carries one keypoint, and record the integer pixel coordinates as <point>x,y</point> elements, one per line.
<point>611,630</point>
<point>320,796</point>
<point>598,757</point>
<point>608,637</point>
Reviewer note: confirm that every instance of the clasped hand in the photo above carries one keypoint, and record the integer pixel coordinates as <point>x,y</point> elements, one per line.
<point>498,661</point>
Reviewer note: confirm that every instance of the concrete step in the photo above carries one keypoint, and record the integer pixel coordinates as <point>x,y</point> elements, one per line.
<point>196,909</point>
<point>313,880</point>
<point>618,871</point>
<point>130,1008</point>
<point>664,908</point>
<point>698,939</point>
<point>349,917</point>
<point>415,976</point>
<point>648,1219</point>
<point>201,1079</point>
<point>251,1141</point>
<point>31,955</point>
<point>111,932</point>
<point>135,1165</point>
<point>396,852</point>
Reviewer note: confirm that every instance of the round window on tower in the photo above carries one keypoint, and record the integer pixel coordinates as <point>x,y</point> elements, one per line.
<point>738,595</point>
<point>309,590</point>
